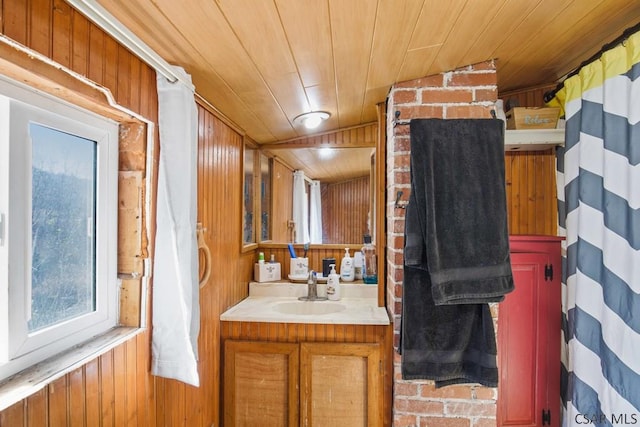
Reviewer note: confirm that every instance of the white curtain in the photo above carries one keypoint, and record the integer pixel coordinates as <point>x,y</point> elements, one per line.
<point>176,311</point>
<point>300,208</point>
<point>315,214</point>
<point>599,211</point>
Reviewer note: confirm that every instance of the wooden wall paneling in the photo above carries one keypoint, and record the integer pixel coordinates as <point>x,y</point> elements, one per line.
<point>345,210</point>
<point>61,34</point>
<point>37,414</point>
<point>135,69</point>
<point>96,50</point>
<point>528,97</point>
<point>531,192</point>
<point>40,25</point>
<point>131,384</point>
<point>14,415</point>
<point>77,401</point>
<point>123,93</point>
<point>315,255</point>
<point>159,389</point>
<point>531,199</point>
<point>58,402</point>
<point>92,392</point>
<point>219,211</point>
<point>282,205</point>
<point>107,384</point>
<point>110,78</point>
<point>80,30</point>
<point>15,21</point>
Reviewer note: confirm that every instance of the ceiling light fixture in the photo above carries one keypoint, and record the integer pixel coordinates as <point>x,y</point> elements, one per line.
<point>312,119</point>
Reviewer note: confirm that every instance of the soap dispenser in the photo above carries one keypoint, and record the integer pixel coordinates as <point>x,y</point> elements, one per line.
<point>347,273</point>
<point>333,284</point>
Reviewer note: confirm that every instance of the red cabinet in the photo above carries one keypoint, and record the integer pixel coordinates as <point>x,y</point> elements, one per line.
<point>529,336</point>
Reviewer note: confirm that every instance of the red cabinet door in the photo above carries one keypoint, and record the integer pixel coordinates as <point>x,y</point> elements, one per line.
<point>529,344</point>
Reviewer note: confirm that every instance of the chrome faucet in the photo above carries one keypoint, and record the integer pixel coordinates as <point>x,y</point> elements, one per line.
<point>312,289</point>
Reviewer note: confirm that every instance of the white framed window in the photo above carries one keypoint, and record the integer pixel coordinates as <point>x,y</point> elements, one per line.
<point>58,226</point>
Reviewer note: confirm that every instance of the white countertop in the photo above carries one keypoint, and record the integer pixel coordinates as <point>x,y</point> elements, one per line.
<point>278,302</point>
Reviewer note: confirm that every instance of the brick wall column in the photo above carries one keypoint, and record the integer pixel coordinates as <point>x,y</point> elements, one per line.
<point>468,92</point>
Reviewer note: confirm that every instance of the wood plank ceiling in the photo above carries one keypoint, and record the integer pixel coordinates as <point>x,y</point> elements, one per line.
<point>263,62</point>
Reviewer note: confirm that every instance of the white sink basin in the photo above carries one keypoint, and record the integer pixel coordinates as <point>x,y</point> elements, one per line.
<point>309,307</point>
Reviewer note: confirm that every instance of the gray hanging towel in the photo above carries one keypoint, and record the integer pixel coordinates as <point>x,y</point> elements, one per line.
<point>456,255</point>
<point>458,192</point>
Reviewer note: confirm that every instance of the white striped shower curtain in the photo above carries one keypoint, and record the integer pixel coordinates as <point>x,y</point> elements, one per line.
<point>598,202</point>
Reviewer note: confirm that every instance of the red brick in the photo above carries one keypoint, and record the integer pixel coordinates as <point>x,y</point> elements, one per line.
<point>435,80</point>
<point>405,421</point>
<point>397,291</point>
<point>484,393</point>
<point>401,130</point>
<point>451,392</point>
<point>444,422</point>
<point>402,144</point>
<point>401,161</point>
<point>472,79</point>
<point>405,389</point>
<point>420,112</point>
<point>398,226</point>
<point>485,95</point>
<point>402,177</point>
<point>443,96</point>
<point>405,96</point>
<point>398,242</point>
<point>414,406</point>
<point>485,422</point>
<point>471,409</point>
<point>397,307</point>
<point>468,112</point>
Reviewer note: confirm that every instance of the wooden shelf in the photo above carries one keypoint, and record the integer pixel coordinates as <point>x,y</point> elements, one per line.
<point>533,140</point>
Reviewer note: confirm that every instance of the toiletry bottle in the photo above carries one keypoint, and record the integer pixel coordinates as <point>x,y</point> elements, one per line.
<point>333,284</point>
<point>358,263</point>
<point>261,258</point>
<point>346,267</point>
<point>370,268</point>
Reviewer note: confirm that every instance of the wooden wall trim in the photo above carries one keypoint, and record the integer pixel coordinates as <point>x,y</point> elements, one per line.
<point>380,187</point>
<point>37,71</point>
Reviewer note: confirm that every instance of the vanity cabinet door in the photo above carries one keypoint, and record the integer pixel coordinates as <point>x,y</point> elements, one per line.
<point>260,383</point>
<point>341,384</point>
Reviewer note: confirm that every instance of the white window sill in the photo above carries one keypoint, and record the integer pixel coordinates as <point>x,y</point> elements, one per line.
<point>31,380</point>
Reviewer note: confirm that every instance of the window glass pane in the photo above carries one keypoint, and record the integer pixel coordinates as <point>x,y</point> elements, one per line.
<point>63,226</point>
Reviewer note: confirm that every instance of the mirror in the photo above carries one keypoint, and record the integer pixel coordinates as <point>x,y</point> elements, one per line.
<point>345,175</point>
<point>250,156</point>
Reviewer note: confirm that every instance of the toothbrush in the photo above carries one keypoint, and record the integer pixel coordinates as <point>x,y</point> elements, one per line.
<point>292,252</point>
<point>306,248</point>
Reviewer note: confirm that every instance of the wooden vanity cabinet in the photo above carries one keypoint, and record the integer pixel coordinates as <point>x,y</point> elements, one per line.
<point>340,384</point>
<point>261,383</point>
<point>311,380</point>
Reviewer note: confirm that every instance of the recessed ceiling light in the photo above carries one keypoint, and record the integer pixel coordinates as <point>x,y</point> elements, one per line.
<point>312,119</point>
